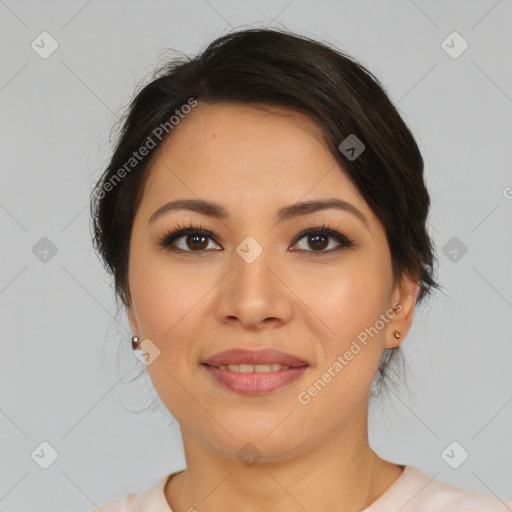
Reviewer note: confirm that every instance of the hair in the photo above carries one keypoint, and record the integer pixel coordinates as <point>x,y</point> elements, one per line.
<point>273,67</point>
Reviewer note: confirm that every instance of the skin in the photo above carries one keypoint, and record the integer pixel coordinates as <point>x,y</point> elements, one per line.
<point>194,304</point>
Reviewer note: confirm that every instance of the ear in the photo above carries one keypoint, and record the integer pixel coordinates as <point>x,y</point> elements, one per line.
<point>134,326</point>
<point>403,301</point>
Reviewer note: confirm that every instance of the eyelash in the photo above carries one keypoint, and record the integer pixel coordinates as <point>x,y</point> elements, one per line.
<point>179,230</point>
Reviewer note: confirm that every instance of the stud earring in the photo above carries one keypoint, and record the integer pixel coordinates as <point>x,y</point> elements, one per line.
<point>135,342</point>
<point>397,334</point>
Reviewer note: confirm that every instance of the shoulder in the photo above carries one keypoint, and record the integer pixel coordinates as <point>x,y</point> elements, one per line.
<point>151,500</point>
<point>128,503</point>
<point>427,494</point>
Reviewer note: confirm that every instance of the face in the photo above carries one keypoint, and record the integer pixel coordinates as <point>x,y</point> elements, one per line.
<point>261,277</point>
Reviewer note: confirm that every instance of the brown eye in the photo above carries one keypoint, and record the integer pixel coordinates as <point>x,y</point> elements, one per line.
<point>196,242</point>
<point>317,240</point>
<point>187,240</point>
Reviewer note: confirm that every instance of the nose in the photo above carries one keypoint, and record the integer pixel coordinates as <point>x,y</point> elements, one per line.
<point>254,294</point>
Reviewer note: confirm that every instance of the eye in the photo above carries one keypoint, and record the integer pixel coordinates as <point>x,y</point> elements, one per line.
<point>187,239</point>
<point>318,240</point>
<point>196,239</point>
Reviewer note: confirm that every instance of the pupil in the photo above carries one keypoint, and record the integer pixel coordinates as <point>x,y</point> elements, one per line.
<point>316,238</point>
<point>194,244</point>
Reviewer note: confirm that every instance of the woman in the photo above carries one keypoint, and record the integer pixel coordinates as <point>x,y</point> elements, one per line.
<point>264,218</point>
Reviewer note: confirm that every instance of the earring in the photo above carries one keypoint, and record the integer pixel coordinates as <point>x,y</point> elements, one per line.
<point>135,342</point>
<point>397,334</point>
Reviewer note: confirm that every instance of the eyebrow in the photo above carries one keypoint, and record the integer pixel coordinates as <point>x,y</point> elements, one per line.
<point>285,213</point>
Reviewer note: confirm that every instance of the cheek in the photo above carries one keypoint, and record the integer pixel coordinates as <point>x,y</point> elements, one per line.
<point>165,296</point>
<point>346,300</point>
<point>351,307</point>
<point>167,301</point>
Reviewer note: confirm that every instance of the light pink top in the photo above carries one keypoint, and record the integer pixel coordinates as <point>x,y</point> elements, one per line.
<point>413,491</point>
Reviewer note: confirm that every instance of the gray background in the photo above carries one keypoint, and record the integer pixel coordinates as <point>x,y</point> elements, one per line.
<point>57,311</point>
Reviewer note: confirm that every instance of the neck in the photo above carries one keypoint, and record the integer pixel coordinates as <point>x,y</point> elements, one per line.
<point>343,472</point>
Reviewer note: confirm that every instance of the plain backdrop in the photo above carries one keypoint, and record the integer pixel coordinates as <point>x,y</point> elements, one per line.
<point>61,379</point>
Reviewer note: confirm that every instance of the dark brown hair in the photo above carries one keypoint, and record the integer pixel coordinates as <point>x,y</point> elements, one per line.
<point>275,67</point>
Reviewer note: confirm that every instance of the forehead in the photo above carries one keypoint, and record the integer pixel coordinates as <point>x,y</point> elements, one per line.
<point>248,157</point>
<point>267,132</point>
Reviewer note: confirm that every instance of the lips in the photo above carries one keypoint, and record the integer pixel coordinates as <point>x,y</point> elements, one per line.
<point>254,357</point>
<point>253,383</point>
